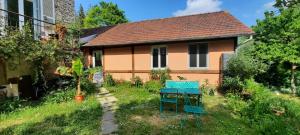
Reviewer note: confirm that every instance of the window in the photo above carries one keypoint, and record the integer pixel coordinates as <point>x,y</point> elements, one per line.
<point>198,55</point>
<point>97,58</point>
<point>159,57</point>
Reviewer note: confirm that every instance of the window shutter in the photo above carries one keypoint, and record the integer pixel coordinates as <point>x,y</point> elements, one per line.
<point>48,11</point>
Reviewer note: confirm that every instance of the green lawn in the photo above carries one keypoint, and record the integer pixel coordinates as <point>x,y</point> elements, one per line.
<point>139,114</point>
<point>54,118</point>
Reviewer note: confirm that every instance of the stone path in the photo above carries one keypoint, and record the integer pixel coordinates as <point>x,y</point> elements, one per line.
<point>109,107</point>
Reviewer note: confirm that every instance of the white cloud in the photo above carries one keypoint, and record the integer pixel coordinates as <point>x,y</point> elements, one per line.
<point>199,6</point>
<point>269,6</point>
<point>266,7</point>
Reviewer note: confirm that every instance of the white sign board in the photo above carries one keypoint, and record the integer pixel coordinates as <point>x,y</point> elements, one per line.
<point>97,78</point>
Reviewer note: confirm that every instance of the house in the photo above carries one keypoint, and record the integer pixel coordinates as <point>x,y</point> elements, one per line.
<point>189,46</point>
<point>42,15</point>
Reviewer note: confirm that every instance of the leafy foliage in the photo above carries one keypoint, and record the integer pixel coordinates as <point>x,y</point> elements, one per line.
<point>104,14</point>
<point>109,80</point>
<point>232,85</point>
<point>161,75</point>
<point>153,86</point>
<point>278,36</point>
<point>265,112</point>
<point>77,67</point>
<point>81,16</point>
<point>137,81</point>
<point>243,65</point>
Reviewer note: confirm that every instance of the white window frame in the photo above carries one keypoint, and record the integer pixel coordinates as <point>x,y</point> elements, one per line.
<point>159,63</point>
<point>197,58</point>
<point>93,57</point>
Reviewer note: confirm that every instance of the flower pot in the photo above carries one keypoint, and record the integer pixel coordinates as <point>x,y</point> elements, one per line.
<point>79,98</point>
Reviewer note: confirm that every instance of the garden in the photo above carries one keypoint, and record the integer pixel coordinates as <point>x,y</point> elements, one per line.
<point>259,93</point>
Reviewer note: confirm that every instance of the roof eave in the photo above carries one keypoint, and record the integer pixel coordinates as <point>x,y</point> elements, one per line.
<point>164,41</point>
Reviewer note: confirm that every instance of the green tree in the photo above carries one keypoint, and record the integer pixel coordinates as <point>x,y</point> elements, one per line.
<point>281,4</point>
<point>278,37</point>
<point>104,14</point>
<point>81,16</point>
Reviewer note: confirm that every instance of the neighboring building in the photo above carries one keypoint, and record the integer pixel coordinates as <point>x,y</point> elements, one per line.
<point>46,14</point>
<point>189,46</point>
<point>42,15</point>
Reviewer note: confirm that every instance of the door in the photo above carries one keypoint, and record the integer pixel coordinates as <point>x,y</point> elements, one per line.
<point>97,58</point>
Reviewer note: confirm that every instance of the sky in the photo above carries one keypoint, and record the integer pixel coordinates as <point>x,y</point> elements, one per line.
<point>247,11</point>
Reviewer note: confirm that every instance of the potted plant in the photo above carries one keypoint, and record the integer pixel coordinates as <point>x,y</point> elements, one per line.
<point>77,72</point>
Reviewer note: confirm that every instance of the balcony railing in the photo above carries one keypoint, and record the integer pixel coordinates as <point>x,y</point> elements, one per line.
<point>40,28</point>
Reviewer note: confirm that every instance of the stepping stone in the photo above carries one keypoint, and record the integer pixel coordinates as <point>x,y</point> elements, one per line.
<point>108,121</point>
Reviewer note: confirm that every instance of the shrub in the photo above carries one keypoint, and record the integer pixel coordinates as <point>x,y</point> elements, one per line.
<point>137,82</point>
<point>243,65</point>
<point>235,103</point>
<point>161,75</point>
<point>123,83</point>
<point>11,104</point>
<point>91,71</point>
<point>109,81</point>
<point>60,95</point>
<point>87,86</point>
<point>232,85</point>
<point>265,112</point>
<point>153,86</point>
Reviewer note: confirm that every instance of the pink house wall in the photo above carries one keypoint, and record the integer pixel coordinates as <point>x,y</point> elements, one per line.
<point>118,61</point>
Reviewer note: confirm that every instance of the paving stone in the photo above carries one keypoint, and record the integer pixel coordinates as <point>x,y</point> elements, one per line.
<point>108,121</point>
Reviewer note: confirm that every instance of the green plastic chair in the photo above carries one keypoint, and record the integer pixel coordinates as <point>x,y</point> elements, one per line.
<point>195,110</point>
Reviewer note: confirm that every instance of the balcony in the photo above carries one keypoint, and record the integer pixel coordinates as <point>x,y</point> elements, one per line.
<point>42,29</point>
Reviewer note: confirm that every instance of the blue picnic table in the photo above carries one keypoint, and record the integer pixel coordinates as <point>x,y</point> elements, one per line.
<point>179,88</point>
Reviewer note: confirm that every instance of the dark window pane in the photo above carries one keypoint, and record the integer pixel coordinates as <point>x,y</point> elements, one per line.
<point>193,55</point>
<point>163,57</point>
<point>155,58</point>
<point>13,19</point>
<point>98,61</point>
<point>203,50</point>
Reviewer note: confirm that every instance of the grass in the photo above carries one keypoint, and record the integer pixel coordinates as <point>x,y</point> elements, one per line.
<point>54,118</point>
<point>139,114</point>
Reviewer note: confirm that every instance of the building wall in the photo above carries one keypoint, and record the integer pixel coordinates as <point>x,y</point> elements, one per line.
<point>118,61</point>
<point>65,11</point>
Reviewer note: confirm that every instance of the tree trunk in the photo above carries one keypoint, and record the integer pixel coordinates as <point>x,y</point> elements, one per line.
<point>293,85</point>
<point>78,87</point>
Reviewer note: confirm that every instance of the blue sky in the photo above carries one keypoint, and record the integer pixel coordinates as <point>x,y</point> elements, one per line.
<point>246,11</point>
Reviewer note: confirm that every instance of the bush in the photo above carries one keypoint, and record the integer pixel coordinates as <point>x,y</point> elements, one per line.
<point>244,67</point>
<point>60,95</point>
<point>137,82</point>
<point>235,103</point>
<point>87,86</point>
<point>153,86</point>
<point>265,112</point>
<point>161,75</point>
<point>123,84</point>
<point>232,85</point>
<point>109,81</point>
<point>11,104</point>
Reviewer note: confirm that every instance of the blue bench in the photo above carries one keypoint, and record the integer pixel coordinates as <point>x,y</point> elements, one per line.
<point>178,88</point>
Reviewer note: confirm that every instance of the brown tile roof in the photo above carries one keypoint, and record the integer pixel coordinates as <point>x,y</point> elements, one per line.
<point>194,27</point>
<point>93,31</point>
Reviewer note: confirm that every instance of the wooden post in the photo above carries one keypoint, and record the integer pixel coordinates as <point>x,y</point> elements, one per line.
<point>103,64</point>
<point>132,63</point>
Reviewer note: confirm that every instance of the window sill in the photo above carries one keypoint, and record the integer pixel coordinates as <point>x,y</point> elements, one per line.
<point>159,68</point>
<point>198,68</point>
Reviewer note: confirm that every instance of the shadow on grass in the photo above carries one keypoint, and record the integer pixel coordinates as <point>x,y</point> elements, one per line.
<point>82,121</point>
<point>143,117</point>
